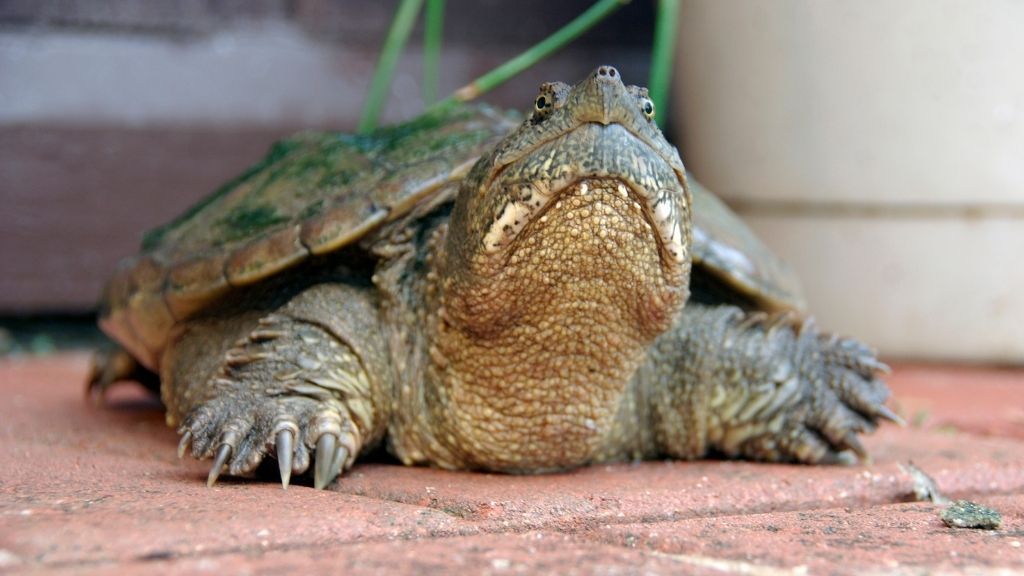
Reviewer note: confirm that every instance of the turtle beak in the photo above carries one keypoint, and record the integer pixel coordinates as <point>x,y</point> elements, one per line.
<point>602,98</point>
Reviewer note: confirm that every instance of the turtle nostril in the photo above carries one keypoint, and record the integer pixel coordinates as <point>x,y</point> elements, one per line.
<point>607,71</point>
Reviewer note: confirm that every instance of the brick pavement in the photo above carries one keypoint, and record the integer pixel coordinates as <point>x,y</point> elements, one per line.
<point>99,489</point>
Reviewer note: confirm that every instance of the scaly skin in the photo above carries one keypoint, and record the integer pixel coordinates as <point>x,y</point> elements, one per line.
<point>541,327</point>
<point>528,369</point>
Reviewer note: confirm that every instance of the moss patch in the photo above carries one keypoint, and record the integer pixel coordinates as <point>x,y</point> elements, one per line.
<point>248,220</point>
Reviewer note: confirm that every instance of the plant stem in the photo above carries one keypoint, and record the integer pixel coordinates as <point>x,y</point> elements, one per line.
<point>585,21</point>
<point>661,56</point>
<point>432,27</point>
<point>393,44</point>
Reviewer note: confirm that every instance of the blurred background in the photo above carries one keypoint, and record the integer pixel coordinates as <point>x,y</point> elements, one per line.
<point>878,146</point>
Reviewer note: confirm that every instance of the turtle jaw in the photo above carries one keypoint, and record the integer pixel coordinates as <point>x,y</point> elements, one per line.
<point>660,215</point>
<point>596,247</point>
<point>518,195</point>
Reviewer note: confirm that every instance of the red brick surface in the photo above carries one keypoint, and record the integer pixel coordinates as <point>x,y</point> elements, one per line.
<point>100,489</point>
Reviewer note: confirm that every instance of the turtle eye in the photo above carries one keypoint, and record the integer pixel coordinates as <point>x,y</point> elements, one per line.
<point>647,106</point>
<point>550,97</point>
<point>543,106</point>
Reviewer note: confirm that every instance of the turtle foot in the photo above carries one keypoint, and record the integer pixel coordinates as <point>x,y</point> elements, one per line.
<point>785,392</point>
<point>289,388</point>
<point>841,396</point>
<point>238,433</point>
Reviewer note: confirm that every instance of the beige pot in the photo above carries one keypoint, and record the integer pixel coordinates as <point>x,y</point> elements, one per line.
<point>879,147</point>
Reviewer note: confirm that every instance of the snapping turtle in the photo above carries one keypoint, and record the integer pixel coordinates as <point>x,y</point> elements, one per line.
<point>482,293</point>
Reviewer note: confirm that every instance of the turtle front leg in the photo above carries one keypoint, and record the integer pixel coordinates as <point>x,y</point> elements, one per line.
<point>305,383</point>
<point>747,385</point>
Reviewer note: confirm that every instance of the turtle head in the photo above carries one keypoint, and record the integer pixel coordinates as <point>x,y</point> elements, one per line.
<point>584,206</point>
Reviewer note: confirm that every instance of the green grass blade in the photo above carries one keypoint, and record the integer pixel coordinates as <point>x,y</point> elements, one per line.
<point>585,21</point>
<point>432,33</point>
<point>393,44</point>
<point>661,56</point>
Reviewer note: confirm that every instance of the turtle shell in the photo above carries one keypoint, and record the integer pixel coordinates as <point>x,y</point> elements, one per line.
<point>312,194</point>
<point>726,248</point>
<point>318,192</point>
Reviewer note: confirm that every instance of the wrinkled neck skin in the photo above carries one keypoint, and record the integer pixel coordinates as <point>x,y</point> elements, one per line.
<point>531,347</point>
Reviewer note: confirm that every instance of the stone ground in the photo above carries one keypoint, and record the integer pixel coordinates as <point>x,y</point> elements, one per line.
<point>100,490</point>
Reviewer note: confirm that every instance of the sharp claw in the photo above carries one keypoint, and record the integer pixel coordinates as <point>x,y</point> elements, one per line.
<point>878,366</point>
<point>284,450</point>
<point>325,448</point>
<point>852,443</point>
<point>223,453</point>
<point>186,439</point>
<point>883,411</point>
<point>340,456</point>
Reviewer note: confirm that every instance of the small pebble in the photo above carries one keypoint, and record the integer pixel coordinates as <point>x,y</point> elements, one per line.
<point>967,514</point>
